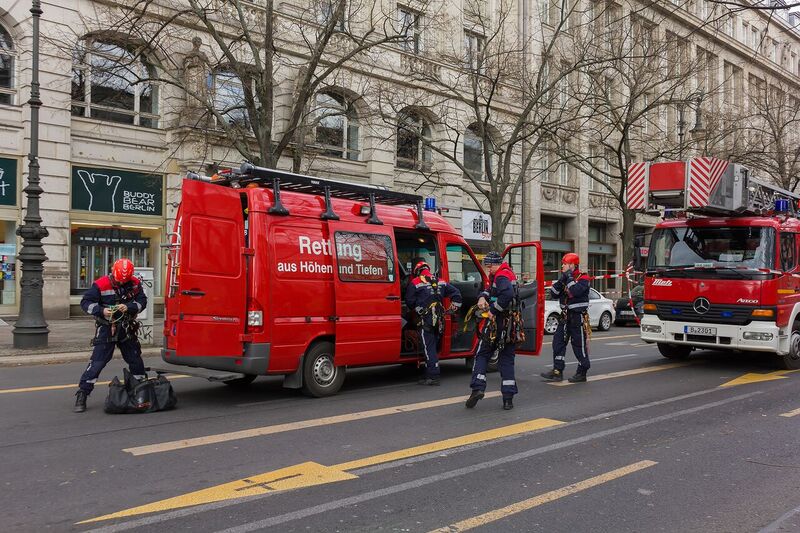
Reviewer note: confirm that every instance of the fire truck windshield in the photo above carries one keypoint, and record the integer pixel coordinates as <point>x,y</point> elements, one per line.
<point>712,247</point>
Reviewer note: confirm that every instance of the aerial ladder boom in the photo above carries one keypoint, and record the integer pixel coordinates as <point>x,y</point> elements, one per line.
<point>704,186</point>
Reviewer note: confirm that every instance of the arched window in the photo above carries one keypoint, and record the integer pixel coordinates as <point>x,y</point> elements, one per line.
<point>336,126</point>
<point>228,94</point>
<point>110,83</point>
<point>473,153</point>
<point>7,55</point>
<point>413,142</point>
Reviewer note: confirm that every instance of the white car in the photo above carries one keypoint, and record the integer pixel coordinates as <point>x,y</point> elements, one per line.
<point>601,312</point>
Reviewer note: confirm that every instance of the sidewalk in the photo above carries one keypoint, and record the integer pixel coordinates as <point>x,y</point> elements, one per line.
<point>68,341</point>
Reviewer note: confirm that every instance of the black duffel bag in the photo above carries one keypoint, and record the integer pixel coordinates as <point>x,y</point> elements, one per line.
<point>135,396</point>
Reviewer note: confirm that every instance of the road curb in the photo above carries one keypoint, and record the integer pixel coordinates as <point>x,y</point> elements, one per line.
<point>58,358</point>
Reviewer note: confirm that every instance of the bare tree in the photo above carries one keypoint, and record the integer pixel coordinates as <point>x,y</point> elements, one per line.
<point>772,133</point>
<point>639,98</point>
<point>254,85</point>
<point>494,107</point>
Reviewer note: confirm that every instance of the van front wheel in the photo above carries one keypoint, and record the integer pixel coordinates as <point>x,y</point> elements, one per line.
<point>321,377</point>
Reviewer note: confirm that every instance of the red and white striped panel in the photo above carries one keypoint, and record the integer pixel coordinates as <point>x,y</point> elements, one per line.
<point>636,194</point>
<point>704,176</point>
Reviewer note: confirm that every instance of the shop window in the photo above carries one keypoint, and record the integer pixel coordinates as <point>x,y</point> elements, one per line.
<point>337,126</point>
<point>110,82</point>
<point>553,228</point>
<point>7,65</point>
<point>94,251</point>
<point>8,272</point>
<point>597,233</point>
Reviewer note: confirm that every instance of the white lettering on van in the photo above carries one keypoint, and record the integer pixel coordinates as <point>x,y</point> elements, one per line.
<point>323,247</point>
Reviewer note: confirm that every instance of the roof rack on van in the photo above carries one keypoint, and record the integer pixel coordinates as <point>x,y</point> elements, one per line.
<point>281,179</point>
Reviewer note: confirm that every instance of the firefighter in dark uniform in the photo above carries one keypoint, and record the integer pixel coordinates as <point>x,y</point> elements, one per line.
<point>497,300</point>
<point>572,290</point>
<point>424,295</point>
<point>114,301</point>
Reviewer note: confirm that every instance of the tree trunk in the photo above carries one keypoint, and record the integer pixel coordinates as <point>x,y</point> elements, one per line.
<point>498,231</point>
<point>628,219</point>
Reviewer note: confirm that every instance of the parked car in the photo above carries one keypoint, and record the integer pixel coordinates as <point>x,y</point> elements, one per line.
<point>601,312</point>
<point>626,315</point>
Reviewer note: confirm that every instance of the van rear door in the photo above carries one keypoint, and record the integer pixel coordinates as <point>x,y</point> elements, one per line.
<point>211,293</point>
<point>525,260</point>
<point>367,288</point>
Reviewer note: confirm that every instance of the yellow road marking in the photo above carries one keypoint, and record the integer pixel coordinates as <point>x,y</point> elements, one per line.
<point>756,378</point>
<point>547,497</point>
<point>71,386</point>
<point>293,426</point>
<point>309,474</point>
<point>455,442</point>
<point>623,373</point>
<point>791,413</point>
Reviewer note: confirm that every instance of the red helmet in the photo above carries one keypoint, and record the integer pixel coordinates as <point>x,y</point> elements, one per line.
<point>421,267</point>
<point>570,259</point>
<point>122,271</point>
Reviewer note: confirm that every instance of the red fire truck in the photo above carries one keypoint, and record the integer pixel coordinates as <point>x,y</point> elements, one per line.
<point>276,273</point>
<point>722,270</point>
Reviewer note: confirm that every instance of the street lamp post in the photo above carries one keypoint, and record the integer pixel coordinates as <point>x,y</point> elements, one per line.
<point>30,330</point>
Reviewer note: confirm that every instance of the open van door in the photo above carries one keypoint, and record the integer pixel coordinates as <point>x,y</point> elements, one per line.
<point>525,259</point>
<point>367,292</point>
<point>211,277</point>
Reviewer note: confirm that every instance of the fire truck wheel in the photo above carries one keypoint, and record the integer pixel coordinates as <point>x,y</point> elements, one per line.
<point>320,376</point>
<point>244,381</point>
<point>605,322</point>
<point>674,351</point>
<point>791,361</point>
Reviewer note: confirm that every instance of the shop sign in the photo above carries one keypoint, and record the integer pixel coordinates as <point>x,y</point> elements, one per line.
<point>117,191</point>
<point>8,181</point>
<point>475,225</point>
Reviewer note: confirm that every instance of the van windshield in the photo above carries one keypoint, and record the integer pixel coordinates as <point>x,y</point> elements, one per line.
<point>712,247</point>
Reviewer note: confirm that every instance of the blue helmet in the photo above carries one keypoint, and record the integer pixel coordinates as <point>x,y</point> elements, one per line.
<point>493,258</point>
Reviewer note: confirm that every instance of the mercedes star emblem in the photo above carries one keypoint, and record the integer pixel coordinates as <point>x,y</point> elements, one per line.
<point>701,306</point>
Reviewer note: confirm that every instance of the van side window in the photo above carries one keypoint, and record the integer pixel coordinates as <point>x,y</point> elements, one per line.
<point>788,251</point>
<point>460,264</point>
<point>364,257</point>
<point>416,246</point>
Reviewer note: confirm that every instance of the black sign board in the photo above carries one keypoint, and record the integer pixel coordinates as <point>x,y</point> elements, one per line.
<point>8,181</point>
<point>117,191</point>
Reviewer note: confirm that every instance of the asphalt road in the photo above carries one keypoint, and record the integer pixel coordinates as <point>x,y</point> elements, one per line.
<point>647,444</point>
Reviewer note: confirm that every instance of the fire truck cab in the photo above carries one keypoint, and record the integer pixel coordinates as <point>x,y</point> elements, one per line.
<point>273,273</point>
<point>722,270</point>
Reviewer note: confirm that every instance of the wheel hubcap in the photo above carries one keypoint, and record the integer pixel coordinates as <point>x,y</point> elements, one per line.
<point>551,325</point>
<point>794,352</point>
<point>606,322</point>
<point>324,370</point>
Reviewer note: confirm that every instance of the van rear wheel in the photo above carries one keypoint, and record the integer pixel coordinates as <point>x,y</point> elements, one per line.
<point>321,376</point>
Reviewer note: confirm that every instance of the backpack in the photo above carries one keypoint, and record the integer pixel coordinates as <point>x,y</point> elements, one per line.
<point>135,396</point>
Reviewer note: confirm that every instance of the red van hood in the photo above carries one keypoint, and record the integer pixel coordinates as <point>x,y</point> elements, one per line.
<point>734,292</point>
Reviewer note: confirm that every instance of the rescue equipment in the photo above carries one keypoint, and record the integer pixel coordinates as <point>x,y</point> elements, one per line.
<point>139,396</point>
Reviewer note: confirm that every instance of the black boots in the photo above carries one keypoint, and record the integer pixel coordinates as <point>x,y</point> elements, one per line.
<point>429,381</point>
<point>80,402</point>
<point>508,404</point>
<point>553,375</point>
<point>579,377</point>
<point>473,399</point>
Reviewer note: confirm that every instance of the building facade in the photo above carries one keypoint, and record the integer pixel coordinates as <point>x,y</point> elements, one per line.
<point>114,148</point>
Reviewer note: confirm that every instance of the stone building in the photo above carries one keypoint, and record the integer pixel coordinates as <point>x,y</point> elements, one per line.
<point>113,150</point>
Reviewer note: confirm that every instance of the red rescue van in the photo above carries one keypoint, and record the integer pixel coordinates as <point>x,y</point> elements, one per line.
<point>273,273</point>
